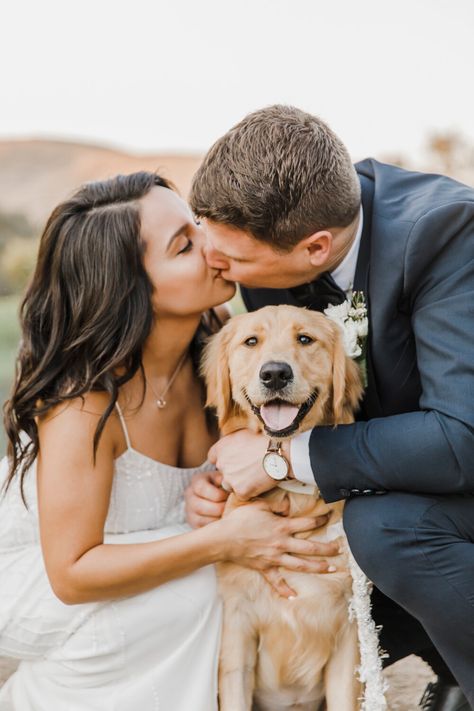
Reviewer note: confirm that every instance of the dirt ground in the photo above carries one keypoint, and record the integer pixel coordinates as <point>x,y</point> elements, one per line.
<point>407,680</point>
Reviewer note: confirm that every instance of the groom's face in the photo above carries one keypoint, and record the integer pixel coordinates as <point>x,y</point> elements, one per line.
<point>244,259</point>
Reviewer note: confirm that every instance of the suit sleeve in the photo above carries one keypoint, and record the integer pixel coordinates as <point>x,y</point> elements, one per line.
<point>431,450</point>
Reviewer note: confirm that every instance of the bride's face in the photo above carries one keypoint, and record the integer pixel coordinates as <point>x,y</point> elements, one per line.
<point>174,258</point>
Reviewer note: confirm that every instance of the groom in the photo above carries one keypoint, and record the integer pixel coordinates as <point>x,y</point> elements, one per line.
<point>289,218</point>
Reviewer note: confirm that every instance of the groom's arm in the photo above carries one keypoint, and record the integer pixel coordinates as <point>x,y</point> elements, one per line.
<point>430,451</point>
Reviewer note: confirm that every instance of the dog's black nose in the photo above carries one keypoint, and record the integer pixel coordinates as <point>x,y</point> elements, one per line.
<point>275,375</point>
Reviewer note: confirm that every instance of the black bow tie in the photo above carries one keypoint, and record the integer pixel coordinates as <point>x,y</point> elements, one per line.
<point>317,295</point>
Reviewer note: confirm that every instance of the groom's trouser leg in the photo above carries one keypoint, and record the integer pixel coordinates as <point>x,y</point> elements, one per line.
<point>419,551</point>
<point>401,635</point>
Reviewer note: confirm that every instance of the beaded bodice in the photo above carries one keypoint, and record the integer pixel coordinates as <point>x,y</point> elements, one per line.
<point>145,495</point>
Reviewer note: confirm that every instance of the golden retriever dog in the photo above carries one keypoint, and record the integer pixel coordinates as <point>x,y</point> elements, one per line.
<point>283,370</point>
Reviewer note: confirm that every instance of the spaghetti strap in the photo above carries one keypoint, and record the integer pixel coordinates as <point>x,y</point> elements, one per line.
<point>124,426</point>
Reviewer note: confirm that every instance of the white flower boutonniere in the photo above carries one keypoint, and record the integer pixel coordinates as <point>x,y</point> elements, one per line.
<point>352,318</point>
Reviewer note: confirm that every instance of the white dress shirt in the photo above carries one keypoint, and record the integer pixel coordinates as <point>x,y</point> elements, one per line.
<point>343,275</point>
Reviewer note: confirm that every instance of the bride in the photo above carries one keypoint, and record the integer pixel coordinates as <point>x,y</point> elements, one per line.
<point>106,596</point>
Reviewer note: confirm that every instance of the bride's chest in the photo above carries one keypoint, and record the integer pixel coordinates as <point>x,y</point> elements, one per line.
<point>147,494</point>
<point>178,435</point>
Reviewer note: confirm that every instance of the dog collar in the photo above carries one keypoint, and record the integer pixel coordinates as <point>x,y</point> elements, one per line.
<point>298,487</point>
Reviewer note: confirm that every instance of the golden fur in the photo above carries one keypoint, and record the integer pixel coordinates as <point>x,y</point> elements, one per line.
<point>278,653</point>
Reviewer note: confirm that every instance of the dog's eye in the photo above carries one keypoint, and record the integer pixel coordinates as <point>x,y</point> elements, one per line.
<point>252,341</point>
<point>304,340</point>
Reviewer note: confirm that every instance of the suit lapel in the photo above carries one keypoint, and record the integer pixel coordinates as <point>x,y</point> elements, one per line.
<point>371,403</point>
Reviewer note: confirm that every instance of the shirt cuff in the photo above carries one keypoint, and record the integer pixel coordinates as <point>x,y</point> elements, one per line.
<point>299,458</point>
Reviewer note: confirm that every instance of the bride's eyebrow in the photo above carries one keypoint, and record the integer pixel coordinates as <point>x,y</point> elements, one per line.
<point>178,232</point>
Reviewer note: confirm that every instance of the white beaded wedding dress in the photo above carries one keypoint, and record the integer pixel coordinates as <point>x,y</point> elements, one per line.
<point>156,651</point>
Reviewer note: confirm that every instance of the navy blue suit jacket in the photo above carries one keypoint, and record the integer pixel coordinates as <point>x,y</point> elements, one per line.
<point>416,267</point>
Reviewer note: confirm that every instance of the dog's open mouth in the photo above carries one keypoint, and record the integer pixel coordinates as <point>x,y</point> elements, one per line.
<point>281,418</point>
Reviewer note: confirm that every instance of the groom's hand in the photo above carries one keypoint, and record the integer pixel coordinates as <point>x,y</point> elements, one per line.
<point>239,457</point>
<point>241,454</point>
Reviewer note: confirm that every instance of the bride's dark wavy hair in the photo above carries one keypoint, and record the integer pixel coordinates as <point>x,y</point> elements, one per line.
<point>87,311</point>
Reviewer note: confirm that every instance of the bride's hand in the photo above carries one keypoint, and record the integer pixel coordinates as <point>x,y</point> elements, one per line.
<point>205,498</point>
<point>255,536</point>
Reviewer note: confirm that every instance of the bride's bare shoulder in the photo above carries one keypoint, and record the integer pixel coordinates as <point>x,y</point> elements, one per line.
<point>75,422</point>
<point>91,404</point>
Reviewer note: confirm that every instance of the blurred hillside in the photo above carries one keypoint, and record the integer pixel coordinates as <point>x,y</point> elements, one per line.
<point>448,153</point>
<point>35,175</point>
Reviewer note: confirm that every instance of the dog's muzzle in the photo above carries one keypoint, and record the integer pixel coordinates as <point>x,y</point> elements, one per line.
<point>275,375</point>
<point>279,417</point>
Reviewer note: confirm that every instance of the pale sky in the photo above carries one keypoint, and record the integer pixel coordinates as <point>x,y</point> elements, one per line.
<point>172,76</point>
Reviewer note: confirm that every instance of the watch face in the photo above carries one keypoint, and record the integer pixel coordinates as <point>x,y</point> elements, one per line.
<point>275,466</point>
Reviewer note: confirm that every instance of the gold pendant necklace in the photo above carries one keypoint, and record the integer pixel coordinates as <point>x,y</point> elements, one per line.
<point>160,399</point>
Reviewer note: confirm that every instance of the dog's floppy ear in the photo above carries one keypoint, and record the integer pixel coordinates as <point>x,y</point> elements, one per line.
<point>346,382</point>
<point>215,369</point>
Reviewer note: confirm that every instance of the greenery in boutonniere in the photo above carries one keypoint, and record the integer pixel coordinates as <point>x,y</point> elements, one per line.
<point>351,316</point>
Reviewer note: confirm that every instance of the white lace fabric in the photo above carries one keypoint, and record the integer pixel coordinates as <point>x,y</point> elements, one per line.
<point>146,494</point>
<point>116,655</point>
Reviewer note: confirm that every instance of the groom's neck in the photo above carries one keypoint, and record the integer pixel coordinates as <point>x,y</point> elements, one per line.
<point>343,238</point>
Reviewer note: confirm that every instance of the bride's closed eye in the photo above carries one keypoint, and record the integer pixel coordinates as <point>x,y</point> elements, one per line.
<point>186,248</point>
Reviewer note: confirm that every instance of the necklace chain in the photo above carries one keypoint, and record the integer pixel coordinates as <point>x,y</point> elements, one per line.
<point>160,399</point>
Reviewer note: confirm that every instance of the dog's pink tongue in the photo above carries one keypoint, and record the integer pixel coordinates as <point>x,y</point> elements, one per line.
<point>278,416</point>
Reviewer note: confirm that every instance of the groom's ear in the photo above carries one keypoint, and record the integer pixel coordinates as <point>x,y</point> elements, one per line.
<point>317,247</point>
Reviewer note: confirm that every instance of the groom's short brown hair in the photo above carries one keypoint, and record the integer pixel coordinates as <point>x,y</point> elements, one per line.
<point>280,174</point>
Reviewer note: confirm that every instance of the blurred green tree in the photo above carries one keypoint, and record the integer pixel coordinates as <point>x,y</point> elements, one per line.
<point>18,247</point>
<point>18,261</point>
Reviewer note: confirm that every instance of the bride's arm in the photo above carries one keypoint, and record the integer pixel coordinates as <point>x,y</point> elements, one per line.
<point>74,495</point>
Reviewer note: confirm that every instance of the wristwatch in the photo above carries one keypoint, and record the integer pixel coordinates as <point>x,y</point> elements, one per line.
<point>275,464</point>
